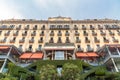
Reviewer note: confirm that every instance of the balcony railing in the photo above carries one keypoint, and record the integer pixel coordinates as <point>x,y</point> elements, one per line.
<point>34,28</point>
<point>7,34</point>
<point>67,34</point>
<point>106,41</point>
<point>31,41</point>
<point>21,41</point>
<point>80,50</point>
<point>67,41</point>
<point>15,34</point>
<point>24,34</point>
<point>51,41</point>
<point>84,28</point>
<point>87,41</point>
<point>38,50</point>
<point>59,34</point>
<point>2,41</point>
<point>103,33</point>
<point>33,34</point>
<point>111,33</point>
<point>89,50</point>
<point>85,34</point>
<point>41,34</point>
<point>26,28</point>
<point>40,41</point>
<point>75,28</point>
<point>18,28</point>
<point>51,34</point>
<point>94,34</point>
<point>12,41</point>
<point>115,41</point>
<point>28,50</point>
<point>78,41</point>
<point>97,41</point>
<point>76,34</point>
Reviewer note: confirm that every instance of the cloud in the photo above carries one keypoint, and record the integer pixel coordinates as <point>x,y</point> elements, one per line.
<point>9,10</point>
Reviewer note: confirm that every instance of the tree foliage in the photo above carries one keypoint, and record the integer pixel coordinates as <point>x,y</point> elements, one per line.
<point>70,72</point>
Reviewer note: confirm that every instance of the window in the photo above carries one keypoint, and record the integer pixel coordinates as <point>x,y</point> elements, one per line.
<point>30,47</point>
<point>98,46</point>
<point>78,46</point>
<point>14,38</point>
<point>59,55</point>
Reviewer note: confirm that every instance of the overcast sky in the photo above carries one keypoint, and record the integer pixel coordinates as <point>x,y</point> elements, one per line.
<point>76,9</point>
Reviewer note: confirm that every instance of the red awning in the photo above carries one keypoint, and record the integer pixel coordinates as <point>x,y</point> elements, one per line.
<point>81,55</point>
<point>31,56</point>
<point>26,55</point>
<point>86,54</point>
<point>37,56</point>
<point>4,47</point>
<point>92,54</point>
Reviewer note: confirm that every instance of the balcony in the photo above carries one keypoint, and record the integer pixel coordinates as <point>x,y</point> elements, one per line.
<point>59,34</point>
<point>94,34</point>
<point>103,33</point>
<point>78,41</point>
<point>40,41</point>
<point>18,28</point>
<point>87,41</point>
<point>106,41</point>
<point>38,50</point>
<point>59,41</point>
<point>51,41</point>
<point>76,34</point>
<point>111,33</point>
<point>43,28</point>
<point>100,27</point>
<point>89,49</point>
<point>75,28</point>
<point>51,34</point>
<point>12,41</point>
<point>83,28</point>
<point>67,41</point>
<point>41,34</point>
<point>119,33</point>
<point>115,41</point>
<point>85,34</point>
<point>21,41</point>
<point>24,34</point>
<point>92,28</point>
<point>2,41</point>
<point>33,34</point>
<point>28,50</point>
<point>31,41</point>
<point>80,50</point>
<point>67,34</point>
<point>7,34</point>
<point>34,28</point>
<point>15,34</point>
<point>97,41</point>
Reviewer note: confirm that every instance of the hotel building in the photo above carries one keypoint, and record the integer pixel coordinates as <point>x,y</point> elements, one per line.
<point>95,41</point>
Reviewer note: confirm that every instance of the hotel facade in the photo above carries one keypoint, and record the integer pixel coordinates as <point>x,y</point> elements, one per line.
<point>95,41</point>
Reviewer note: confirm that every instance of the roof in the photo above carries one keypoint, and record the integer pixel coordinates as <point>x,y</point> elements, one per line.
<point>31,56</point>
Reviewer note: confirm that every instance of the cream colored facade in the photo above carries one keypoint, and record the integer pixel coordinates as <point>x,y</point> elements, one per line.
<point>89,33</point>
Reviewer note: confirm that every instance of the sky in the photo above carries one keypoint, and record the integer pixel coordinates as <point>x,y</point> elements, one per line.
<point>76,9</point>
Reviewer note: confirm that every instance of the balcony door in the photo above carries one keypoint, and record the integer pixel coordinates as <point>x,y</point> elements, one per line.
<point>59,55</point>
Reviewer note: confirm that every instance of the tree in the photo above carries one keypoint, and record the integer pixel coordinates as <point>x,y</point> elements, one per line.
<point>70,72</point>
<point>48,72</point>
